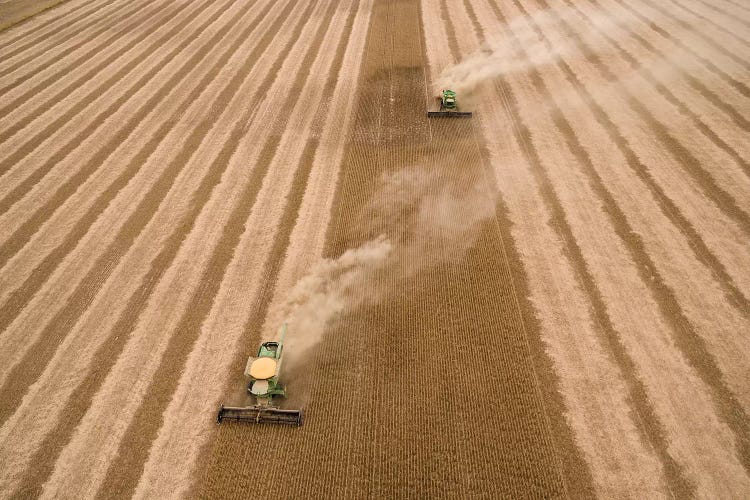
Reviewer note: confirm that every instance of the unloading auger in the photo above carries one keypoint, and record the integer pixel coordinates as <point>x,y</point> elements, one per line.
<point>263,371</point>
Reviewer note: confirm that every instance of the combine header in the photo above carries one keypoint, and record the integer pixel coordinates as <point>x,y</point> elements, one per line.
<point>263,371</point>
<point>449,107</point>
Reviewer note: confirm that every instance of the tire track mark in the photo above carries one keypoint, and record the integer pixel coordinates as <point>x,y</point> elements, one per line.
<point>55,39</point>
<point>43,348</point>
<point>28,228</point>
<point>686,338</point>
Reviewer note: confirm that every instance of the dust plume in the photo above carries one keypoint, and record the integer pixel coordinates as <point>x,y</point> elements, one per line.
<point>427,216</point>
<point>519,49</point>
<point>501,55</point>
<point>331,287</point>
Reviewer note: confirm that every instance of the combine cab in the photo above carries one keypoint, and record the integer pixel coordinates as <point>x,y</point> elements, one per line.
<point>449,107</point>
<point>263,372</point>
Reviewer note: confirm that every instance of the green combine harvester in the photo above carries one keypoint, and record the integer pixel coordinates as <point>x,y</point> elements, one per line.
<point>449,107</point>
<point>263,371</point>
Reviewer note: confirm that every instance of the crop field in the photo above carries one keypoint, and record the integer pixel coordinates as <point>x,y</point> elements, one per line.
<point>548,299</point>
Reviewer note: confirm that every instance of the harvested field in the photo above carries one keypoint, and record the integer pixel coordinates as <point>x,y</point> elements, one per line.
<point>548,299</point>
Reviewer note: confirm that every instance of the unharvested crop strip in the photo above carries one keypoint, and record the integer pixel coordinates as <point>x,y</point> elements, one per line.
<point>739,86</point>
<point>143,428</point>
<point>690,343</point>
<point>43,42</point>
<point>479,36</point>
<point>134,13</point>
<point>668,207</point>
<point>38,138</point>
<point>88,287</point>
<point>30,226</point>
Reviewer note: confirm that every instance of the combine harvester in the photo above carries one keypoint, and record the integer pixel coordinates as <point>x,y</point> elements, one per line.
<point>449,107</point>
<point>263,371</point>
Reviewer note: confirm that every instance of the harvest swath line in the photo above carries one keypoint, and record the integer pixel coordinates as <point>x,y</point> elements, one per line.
<point>49,264</point>
<point>183,425</point>
<point>690,343</point>
<point>472,39</point>
<point>101,133</point>
<point>98,418</point>
<point>726,10</point>
<point>35,29</point>
<point>679,152</point>
<point>651,426</point>
<point>200,131</point>
<point>699,33</point>
<point>500,120</point>
<point>55,39</point>
<point>137,219</point>
<point>143,428</point>
<point>561,434</point>
<point>714,96</point>
<point>37,140</point>
<point>738,5</point>
<point>721,28</point>
<point>135,14</point>
<point>80,103</point>
<point>23,233</point>
<point>110,350</point>
<point>26,229</point>
<point>575,256</point>
<point>664,91</point>
<point>668,207</point>
<point>740,87</point>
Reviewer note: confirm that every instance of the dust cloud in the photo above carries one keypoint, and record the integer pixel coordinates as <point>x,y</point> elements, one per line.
<point>519,49</point>
<point>330,288</point>
<point>430,218</point>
